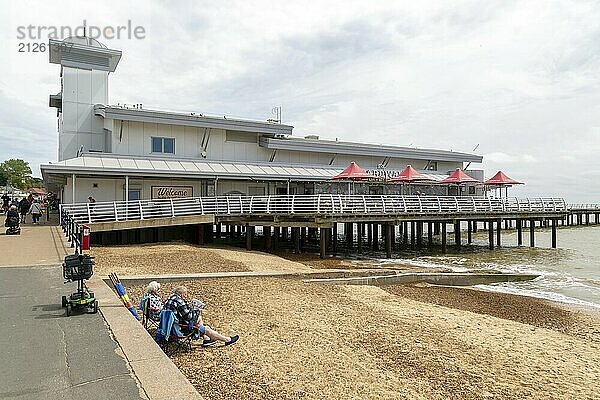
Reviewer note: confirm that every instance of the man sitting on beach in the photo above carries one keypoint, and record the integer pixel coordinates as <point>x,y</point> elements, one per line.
<point>191,311</point>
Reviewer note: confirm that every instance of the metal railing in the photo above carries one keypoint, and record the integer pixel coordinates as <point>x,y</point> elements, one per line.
<point>584,207</point>
<point>318,205</point>
<point>73,230</point>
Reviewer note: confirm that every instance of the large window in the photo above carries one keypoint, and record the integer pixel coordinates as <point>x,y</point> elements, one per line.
<point>163,145</point>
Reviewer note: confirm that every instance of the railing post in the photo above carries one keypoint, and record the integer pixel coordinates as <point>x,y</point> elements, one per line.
<point>456,203</point>
<point>404,203</point>
<point>60,216</point>
<point>474,204</point>
<point>341,204</point>
<point>228,207</point>
<point>420,204</point>
<point>116,213</point>
<point>332,204</point>
<point>364,203</point>
<point>319,204</point>
<point>528,204</point>
<point>251,200</point>
<point>383,204</point>
<point>89,213</point>
<point>241,205</point>
<point>201,206</point>
<point>172,209</point>
<point>490,204</point>
<point>439,204</point>
<point>293,201</point>
<point>269,204</point>
<point>142,213</point>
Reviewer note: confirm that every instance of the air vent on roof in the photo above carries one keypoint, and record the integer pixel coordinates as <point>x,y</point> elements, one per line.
<point>312,137</point>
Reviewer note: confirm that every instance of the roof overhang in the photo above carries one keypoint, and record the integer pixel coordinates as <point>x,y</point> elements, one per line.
<point>113,166</point>
<point>190,119</point>
<point>361,149</point>
<point>75,55</point>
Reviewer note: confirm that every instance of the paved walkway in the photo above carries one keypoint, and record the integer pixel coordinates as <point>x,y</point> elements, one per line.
<point>44,354</point>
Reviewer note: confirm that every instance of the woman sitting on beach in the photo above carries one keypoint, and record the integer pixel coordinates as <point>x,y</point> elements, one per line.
<point>190,313</point>
<point>152,300</point>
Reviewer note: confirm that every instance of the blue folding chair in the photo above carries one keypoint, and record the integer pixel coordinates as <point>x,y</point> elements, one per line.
<point>169,335</point>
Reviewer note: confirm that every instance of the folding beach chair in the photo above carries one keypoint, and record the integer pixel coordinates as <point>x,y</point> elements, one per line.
<point>169,335</point>
<point>148,322</point>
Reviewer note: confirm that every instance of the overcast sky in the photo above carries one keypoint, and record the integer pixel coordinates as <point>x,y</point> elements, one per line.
<point>520,79</point>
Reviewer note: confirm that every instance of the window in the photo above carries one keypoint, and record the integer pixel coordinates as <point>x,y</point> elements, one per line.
<point>432,166</point>
<point>163,145</point>
<point>239,136</point>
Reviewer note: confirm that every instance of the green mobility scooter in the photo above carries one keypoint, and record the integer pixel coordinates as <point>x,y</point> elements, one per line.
<point>79,267</point>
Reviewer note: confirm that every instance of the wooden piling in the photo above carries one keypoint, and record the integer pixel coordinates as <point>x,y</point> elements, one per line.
<point>323,242</point>
<point>532,233</point>
<point>388,240</point>
<point>267,238</point>
<point>469,232</point>
<point>443,236</point>
<point>249,236</point>
<point>519,232</point>
<point>457,239</point>
<point>498,232</point>
<point>490,234</point>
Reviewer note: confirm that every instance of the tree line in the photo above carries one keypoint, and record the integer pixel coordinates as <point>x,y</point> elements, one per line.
<point>17,173</point>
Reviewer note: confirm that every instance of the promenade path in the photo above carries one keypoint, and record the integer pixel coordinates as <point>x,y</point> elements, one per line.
<point>43,354</point>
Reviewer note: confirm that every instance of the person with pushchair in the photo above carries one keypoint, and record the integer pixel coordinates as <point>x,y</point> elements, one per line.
<point>5,202</point>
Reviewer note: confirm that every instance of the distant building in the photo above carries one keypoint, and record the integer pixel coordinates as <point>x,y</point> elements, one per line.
<point>127,152</point>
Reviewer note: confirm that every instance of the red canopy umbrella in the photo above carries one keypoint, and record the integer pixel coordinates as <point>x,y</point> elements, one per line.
<point>409,174</point>
<point>353,172</point>
<point>500,180</point>
<point>458,176</point>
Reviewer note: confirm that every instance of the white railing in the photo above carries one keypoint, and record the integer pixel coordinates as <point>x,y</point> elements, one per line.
<point>323,204</point>
<point>584,207</point>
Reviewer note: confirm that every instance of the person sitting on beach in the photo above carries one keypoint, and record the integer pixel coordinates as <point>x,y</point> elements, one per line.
<point>190,313</point>
<point>155,303</point>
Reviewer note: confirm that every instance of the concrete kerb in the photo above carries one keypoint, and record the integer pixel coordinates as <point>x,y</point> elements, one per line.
<point>159,378</point>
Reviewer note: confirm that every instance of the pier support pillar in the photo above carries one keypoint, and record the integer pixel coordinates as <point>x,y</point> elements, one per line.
<point>276,233</point>
<point>498,232</point>
<point>443,236</point>
<point>490,234</point>
<point>267,237</point>
<point>349,232</point>
<point>359,228</point>
<point>296,237</point>
<point>419,234</point>
<point>375,236</point>
<point>469,232</point>
<point>429,233</point>
<point>457,239</point>
<point>474,226</point>
<point>369,234</point>
<point>249,236</point>
<point>405,233</point>
<point>553,221</point>
<point>200,234</point>
<point>323,240</point>
<point>388,240</point>
<point>334,234</point>
<point>218,231</point>
<point>302,236</point>
<point>413,228</point>
<point>436,228</point>
<point>519,232</point>
<point>532,233</point>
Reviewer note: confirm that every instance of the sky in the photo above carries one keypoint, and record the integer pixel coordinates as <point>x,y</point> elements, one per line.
<point>517,80</point>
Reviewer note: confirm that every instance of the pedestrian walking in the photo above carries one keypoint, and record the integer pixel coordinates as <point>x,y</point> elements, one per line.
<point>36,211</point>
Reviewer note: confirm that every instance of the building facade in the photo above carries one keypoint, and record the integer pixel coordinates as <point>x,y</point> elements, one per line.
<point>128,152</point>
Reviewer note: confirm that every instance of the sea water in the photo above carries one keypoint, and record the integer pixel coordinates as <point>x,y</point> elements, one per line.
<point>568,274</point>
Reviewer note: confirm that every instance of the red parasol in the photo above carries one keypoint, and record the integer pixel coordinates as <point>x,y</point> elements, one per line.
<point>409,174</point>
<point>353,172</point>
<point>458,176</point>
<point>500,180</point>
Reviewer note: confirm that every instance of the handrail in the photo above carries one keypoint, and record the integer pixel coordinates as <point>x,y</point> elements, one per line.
<point>307,204</point>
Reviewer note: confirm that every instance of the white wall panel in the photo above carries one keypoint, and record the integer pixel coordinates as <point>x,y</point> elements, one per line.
<point>84,86</point>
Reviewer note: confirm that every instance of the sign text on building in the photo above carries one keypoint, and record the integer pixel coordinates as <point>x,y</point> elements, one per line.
<point>171,192</point>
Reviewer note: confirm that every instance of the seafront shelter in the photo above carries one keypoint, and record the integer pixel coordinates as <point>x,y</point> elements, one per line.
<point>127,152</point>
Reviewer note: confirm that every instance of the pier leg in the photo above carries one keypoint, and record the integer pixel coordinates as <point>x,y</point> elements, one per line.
<point>375,236</point>
<point>388,240</point>
<point>405,233</point>
<point>519,233</point>
<point>457,239</point>
<point>469,232</point>
<point>474,226</point>
<point>436,228</point>
<point>334,235</point>
<point>443,236</point>
<point>200,234</point>
<point>532,233</point>
<point>349,231</point>
<point>490,234</point>
<point>499,232</point>
<point>218,231</point>
<point>323,239</point>
<point>413,228</point>
<point>429,233</point>
<point>249,236</point>
<point>553,233</point>
<point>296,239</point>
<point>276,233</point>
<point>302,236</point>
<point>267,235</point>
<point>369,235</point>
<point>420,234</point>
<point>360,228</point>
<point>393,234</point>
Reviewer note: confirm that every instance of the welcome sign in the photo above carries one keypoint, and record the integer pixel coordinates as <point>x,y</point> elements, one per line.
<point>171,192</point>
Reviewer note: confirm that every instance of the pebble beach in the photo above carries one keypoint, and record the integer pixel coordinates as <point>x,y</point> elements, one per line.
<point>321,341</point>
